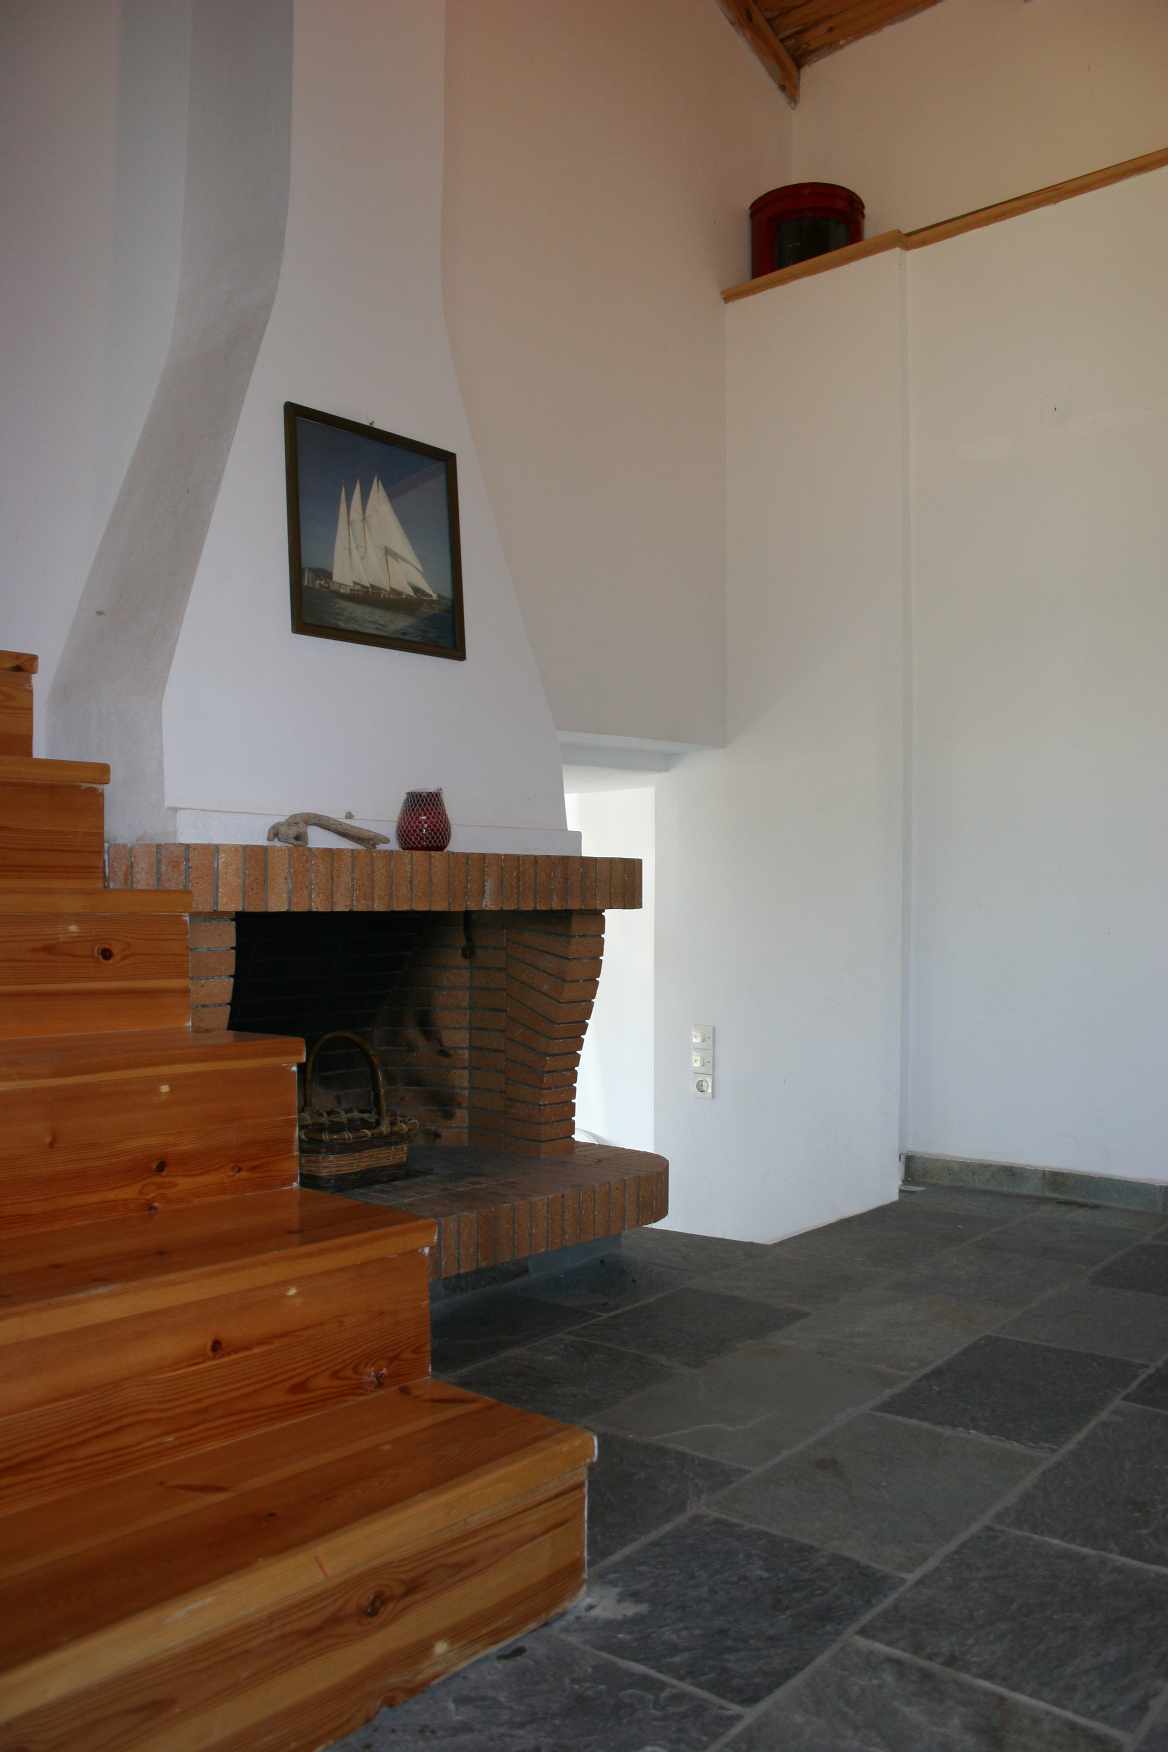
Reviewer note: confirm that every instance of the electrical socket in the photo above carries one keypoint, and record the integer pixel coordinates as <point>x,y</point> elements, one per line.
<point>703,1086</point>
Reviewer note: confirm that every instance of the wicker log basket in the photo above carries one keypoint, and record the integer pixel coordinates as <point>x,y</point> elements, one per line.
<point>341,1149</point>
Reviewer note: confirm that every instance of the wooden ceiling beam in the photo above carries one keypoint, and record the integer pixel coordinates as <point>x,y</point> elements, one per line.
<point>751,24</point>
<point>809,31</point>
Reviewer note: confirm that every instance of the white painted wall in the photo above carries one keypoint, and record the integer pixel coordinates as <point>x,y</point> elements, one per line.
<point>779,857</point>
<point>600,161</point>
<point>93,120</point>
<point>256,718</point>
<point>974,101</point>
<point>1039,955</point>
<point>614,1092</point>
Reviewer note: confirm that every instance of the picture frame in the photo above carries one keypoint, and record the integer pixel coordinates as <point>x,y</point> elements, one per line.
<point>374,553</point>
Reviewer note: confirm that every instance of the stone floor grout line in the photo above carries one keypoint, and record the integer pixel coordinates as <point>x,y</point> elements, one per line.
<point>1054,1709</point>
<point>1136,1563</point>
<point>1045,1461</point>
<point>649,1673</point>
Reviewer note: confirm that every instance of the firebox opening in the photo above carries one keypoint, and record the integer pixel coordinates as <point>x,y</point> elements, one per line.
<point>399,980</point>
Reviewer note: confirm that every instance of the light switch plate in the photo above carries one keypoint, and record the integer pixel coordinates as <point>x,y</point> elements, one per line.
<point>702,1034</point>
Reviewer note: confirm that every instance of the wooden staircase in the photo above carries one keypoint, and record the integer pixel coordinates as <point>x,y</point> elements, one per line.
<point>235,1510</point>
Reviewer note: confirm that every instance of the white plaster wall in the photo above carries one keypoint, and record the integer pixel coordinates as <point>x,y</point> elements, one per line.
<point>600,161</point>
<point>1039,955</point>
<point>256,718</point>
<point>974,101</point>
<point>614,1091</point>
<point>779,857</point>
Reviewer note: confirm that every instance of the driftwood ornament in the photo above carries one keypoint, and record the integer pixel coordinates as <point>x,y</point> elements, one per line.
<point>293,831</point>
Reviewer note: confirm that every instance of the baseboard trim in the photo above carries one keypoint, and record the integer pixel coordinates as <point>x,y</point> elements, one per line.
<point>1070,1186</point>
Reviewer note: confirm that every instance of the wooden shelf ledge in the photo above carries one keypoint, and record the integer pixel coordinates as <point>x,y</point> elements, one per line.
<point>947,228</point>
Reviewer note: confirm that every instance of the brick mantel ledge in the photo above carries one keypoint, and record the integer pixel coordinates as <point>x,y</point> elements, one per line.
<point>274,878</point>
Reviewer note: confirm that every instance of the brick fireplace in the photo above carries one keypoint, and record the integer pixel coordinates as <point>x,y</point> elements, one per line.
<point>472,975</point>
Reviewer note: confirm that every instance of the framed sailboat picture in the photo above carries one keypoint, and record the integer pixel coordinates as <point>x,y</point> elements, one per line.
<point>372,536</point>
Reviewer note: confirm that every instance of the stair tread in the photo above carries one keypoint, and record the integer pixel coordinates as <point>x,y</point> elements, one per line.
<point>22,660</point>
<point>97,1272</point>
<point>28,769</point>
<point>263,1518</point>
<point>112,902</point>
<point>72,1058</point>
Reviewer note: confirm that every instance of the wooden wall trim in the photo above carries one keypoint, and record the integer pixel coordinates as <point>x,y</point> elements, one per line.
<point>956,227</point>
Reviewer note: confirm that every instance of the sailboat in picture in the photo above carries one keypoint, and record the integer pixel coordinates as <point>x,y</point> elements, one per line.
<point>374,560</point>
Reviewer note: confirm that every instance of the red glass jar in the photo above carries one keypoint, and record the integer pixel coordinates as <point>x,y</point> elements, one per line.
<point>802,220</point>
<point>423,824</point>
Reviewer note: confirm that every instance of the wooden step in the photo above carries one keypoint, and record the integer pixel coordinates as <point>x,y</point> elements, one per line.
<point>122,1343</point>
<point>273,1593</point>
<point>52,815</point>
<point>99,1126</point>
<point>106,1057</point>
<point>121,903</point>
<point>69,971</point>
<point>17,669</point>
<point>15,713</point>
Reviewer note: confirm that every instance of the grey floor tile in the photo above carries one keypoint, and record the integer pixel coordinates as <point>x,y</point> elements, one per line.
<point>565,1378</point>
<point>1109,1492</point>
<point>882,1247</point>
<point>903,1326</point>
<point>691,1326</point>
<point>1062,1233</point>
<point>636,1487</point>
<point>693,1255</point>
<point>1070,1628</point>
<point>1156,1738</point>
<point>869,1699</point>
<point>732,1610</point>
<point>543,1693</point>
<point>1153,1391</point>
<point>1007,1207</point>
<point>985,1273</point>
<point>1091,1317</point>
<point>1016,1392</point>
<point>785,1282</point>
<point>749,1406</point>
<point>886,1492</point>
<point>1142,1268</point>
<point>911,1216</point>
<point>482,1326</point>
<point>605,1285</point>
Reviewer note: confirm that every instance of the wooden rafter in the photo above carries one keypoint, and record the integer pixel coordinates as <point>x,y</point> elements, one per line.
<point>751,24</point>
<point>808,29</point>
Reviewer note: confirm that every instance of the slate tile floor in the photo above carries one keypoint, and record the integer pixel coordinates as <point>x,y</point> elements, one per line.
<point>897,1486</point>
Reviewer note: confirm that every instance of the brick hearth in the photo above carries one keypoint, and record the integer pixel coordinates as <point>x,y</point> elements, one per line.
<point>479,1028</point>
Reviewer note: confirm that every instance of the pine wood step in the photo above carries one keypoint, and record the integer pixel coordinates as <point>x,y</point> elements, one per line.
<point>122,1343</point>
<point>15,712</point>
<point>108,1057</point>
<point>22,661</point>
<point>71,970</point>
<point>115,902</point>
<point>273,1592</point>
<point>52,816</point>
<point>94,1127</point>
<point>52,774</point>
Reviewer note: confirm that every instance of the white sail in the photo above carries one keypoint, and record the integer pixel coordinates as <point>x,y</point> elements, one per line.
<point>358,541</point>
<point>388,538</point>
<point>342,557</point>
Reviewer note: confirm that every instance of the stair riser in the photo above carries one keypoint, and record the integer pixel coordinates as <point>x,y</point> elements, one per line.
<point>78,1152</point>
<point>142,1178</point>
<point>312,1667</point>
<point>15,712</point>
<point>91,1404</point>
<point>51,834</point>
<point>84,974</point>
